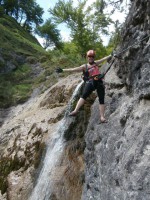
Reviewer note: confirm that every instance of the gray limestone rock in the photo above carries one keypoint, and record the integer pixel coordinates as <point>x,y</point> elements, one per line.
<point>117,154</point>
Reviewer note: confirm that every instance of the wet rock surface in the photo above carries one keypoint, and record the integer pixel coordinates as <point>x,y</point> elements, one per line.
<point>24,134</point>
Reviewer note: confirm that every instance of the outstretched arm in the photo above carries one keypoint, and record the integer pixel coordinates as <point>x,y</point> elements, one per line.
<point>103,59</point>
<point>75,69</point>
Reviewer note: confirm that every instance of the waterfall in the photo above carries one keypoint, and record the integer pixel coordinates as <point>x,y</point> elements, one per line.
<point>44,186</point>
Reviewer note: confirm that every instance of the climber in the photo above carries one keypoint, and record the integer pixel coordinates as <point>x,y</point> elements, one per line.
<point>93,81</point>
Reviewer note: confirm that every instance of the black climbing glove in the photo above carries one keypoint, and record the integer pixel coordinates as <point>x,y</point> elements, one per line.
<point>59,70</point>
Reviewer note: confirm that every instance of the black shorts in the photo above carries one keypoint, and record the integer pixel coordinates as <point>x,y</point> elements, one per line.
<point>92,85</point>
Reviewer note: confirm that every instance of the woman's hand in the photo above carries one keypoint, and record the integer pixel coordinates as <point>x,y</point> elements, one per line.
<point>59,70</point>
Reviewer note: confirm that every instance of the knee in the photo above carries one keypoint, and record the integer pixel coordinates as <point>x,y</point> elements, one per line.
<point>84,96</point>
<point>101,101</point>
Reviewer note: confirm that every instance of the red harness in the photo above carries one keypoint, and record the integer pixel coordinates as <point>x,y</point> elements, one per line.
<point>93,71</point>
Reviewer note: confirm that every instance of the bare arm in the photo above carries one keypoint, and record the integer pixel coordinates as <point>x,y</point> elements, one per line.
<point>101,60</point>
<point>75,69</point>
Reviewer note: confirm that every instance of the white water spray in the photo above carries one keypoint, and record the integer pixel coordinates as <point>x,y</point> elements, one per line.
<point>44,186</point>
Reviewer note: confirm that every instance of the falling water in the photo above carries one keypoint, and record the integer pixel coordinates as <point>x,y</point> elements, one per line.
<point>43,188</point>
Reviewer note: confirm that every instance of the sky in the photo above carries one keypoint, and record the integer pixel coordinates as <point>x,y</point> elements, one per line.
<point>64,31</point>
<point>46,4</point>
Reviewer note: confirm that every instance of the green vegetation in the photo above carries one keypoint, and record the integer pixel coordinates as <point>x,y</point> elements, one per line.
<point>50,33</point>
<point>15,86</point>
<point>27,13</point>
<point>20,52</point>
<point>85,24</point>
<point>14,37</point>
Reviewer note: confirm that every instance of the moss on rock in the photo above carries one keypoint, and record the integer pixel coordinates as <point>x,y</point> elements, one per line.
<point>7,165</point>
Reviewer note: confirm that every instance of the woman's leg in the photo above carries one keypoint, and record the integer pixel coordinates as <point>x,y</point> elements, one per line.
<point>101,96</point>
<point>88,89</point>
<point>102,112</point>
<point>78,106</point>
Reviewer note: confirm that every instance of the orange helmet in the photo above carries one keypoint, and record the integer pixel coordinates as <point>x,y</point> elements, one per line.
<point>90,53</point>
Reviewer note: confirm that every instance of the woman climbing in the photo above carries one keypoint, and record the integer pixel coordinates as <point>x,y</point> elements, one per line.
<point>93,81</point>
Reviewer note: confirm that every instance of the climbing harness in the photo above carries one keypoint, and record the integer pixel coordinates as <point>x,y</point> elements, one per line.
<point>85,75</point>
<point>95,73</point>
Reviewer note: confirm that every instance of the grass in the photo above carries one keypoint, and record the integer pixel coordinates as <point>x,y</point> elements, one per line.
<point>19,52</point>
<point>15,86</point>
<point>14,38</point>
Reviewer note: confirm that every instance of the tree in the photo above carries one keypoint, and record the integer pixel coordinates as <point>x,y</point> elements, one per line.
<point>85,27</point>
<point>1,11</point>
<point>27,12</point>
<point>50,33</point>
<point>9,6</point>
<point>33,13</point>
<point>100,20</point>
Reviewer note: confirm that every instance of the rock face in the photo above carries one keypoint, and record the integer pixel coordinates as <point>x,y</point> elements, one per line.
<point>116,162</point>
<point>25,132</point>
<point>117,154</point>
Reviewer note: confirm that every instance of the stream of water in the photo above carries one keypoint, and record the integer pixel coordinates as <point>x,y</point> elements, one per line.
<point>43,188</point>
